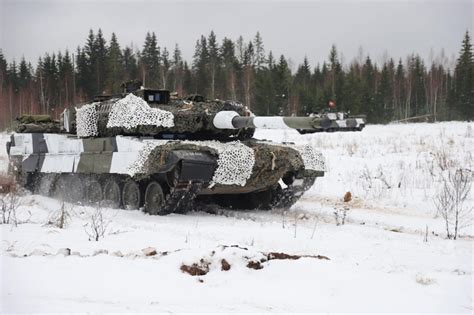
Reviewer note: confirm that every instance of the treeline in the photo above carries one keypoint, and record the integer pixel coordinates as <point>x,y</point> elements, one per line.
<point>244,71</point>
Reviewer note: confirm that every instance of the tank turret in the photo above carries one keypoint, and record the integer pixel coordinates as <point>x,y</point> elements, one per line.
<point>149,112</point>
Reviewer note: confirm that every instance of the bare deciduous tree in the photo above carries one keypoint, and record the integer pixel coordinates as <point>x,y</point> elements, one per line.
<point>450,202</point>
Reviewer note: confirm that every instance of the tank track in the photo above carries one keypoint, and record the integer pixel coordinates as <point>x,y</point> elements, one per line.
<point>181,199</point>
<point>184,196</point>
<point>285,198</point>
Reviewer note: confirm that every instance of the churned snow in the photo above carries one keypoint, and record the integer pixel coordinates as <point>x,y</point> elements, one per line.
<point>378,261</point>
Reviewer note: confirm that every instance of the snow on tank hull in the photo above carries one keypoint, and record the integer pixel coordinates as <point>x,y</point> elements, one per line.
<point>164,176</point>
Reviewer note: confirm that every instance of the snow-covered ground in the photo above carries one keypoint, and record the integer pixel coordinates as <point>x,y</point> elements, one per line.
<point>378,261</point>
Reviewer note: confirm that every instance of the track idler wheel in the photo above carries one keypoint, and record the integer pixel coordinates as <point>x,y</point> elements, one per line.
<point>111,193</point>
<point>131,196</point>
<point>154,199</point>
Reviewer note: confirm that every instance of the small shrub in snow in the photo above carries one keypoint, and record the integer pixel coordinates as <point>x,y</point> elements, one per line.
<point>97,225</point>
<point>450,201</point>
<point>61,217</point>
<point>340,215</point>
<point>9,204</point>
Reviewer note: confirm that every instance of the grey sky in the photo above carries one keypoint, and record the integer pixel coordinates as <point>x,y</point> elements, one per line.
<point>292,28</point>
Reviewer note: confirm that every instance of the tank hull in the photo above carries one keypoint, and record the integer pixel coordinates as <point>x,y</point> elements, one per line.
<point>205,168</point>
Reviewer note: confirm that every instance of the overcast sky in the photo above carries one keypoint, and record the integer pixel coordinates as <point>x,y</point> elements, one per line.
<point>293,28</point>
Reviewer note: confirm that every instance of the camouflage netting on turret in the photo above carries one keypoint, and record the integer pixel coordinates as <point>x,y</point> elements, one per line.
<point>132,111</point>
<point>86,120</point>
<point>127,113</point>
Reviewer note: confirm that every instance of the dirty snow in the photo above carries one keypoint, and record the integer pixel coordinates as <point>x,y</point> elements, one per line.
<point>379,261</point>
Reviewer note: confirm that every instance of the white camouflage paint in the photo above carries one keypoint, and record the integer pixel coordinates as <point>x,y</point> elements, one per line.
<point>235,160</point>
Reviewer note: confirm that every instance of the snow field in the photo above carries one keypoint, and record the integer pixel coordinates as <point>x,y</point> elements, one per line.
<point>379,261</point>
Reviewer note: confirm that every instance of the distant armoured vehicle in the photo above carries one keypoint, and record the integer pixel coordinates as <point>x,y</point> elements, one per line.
<point>144,149</point>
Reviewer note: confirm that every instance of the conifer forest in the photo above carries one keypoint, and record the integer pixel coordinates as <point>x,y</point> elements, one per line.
<point>244,70</point>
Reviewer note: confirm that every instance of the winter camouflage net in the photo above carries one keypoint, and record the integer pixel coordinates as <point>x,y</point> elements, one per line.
<point>312,159</point>
<point>86,120</point>
<point>138,166</point>
<point>234,164</point>
<point>132,111</point>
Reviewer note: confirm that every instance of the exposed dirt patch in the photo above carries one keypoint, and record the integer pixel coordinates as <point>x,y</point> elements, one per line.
<point>274,255</point>
<point>271,256</point>
<point>347,196</point>
<point>254,265</point>
<point>225,266</point>
<point>196,269</point>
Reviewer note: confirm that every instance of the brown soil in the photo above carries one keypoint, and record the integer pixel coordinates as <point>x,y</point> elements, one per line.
<point>254,265</point>
<point>195,269</point>
<point>225,266</point>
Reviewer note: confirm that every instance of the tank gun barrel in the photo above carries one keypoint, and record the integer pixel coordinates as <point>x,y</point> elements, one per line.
<point>331,121</point>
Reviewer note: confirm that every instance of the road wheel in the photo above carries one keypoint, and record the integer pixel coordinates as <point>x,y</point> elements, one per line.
<point>69,188</point>
<point>111,193</point>
<point>131,195</point>
<point>154,199</point>
<point>44,184</point>
<point>93,191</point>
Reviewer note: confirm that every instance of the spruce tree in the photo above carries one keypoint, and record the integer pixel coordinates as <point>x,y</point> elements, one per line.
<point>164,68</point>
<point>101,62</point>
<point>259,52</point>
<point>213,63</point>
<point>115,66</point>
<point>229,64</point>
<point>177,73</point>
<point>130,66</point>
<point>150,62</point>
<point>464,80</point>
<point>3,69</point>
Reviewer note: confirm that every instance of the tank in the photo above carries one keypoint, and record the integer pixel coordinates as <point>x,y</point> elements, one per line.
<point>146,149</point>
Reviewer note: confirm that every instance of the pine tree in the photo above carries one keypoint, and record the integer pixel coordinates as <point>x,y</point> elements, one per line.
<point>282,79</point>
<point>399,90</point>
<point>189,85</point>
<point>164,68</point>
<point>214,63</point>
<point>101,62</point>
<point>384,96</point>
<point>301,87</point>
<point>150,62</point>
<point>464,80</point>
<point>115,66</point>
<point>3,69</point>
<point>200,67</point>
<point>368,75</point>
<point>130,66</point>
<point>229,64</point>
<point>259,52</point>
<point>248,74</point>
<point>178,70</point>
